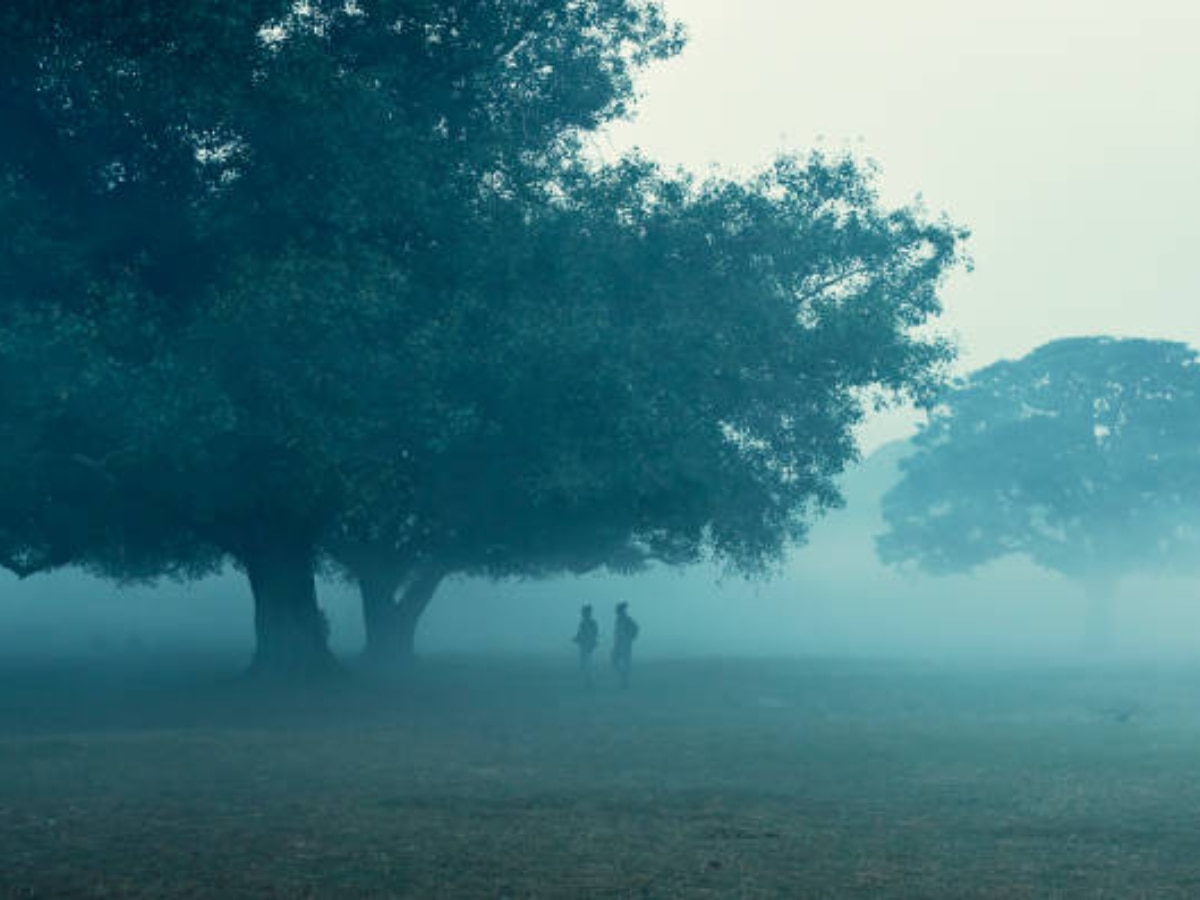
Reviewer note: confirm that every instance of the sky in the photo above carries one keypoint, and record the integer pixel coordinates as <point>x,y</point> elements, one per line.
<point>1062,133</point>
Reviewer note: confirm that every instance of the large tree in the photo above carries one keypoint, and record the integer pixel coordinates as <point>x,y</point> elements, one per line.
<point>336,277</point>
<point>1083,456</point>
<point>239,238</point>
<point>672,371</point>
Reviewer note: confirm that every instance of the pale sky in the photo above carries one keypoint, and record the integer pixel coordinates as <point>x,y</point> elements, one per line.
<point>1063,133</point>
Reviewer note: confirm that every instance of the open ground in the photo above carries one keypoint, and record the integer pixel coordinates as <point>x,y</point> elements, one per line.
<point>500,778</point>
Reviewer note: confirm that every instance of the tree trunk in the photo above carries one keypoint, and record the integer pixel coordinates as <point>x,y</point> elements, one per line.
<point>290,630</point>
<point>1098,629</point>
<point>392,609</point>
<point>412,605</point>
<point>380,616</point>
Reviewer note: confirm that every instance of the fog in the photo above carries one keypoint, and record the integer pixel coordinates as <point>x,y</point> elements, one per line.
<point>339,279</point>
<point>831,598</point>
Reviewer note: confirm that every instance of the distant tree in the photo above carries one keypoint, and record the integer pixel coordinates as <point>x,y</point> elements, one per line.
<point>1083,456</point>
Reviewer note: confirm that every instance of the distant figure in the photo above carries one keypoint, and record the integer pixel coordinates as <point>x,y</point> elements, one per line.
<point>625,632</point>
<point>587,636</point>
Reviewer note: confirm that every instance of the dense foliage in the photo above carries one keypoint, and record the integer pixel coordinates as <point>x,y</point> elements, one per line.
<point>334,280</point>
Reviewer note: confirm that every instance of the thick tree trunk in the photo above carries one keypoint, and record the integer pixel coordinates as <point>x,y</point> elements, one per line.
<point>1098,629</point>
<point>392,610</point>
<point>380,615</point>
<point>291,632</point>
<point>412,605</point>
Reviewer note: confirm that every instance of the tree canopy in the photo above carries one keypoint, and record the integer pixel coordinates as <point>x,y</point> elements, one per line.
<point>295,280</point>
<point>674,373</point>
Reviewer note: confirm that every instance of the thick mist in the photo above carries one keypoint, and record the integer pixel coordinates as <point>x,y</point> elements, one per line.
<point>377,310</point>
<point>832,598</point>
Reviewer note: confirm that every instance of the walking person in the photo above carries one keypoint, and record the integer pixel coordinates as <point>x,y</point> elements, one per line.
<point>625,632</point>
<point>587,636</point>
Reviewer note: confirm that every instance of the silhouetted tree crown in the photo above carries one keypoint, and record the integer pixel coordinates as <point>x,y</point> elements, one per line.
<point>294,280</point>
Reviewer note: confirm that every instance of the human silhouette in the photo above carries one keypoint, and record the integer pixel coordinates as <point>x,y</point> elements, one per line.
<point>587,636</point>
<point>625,632</point>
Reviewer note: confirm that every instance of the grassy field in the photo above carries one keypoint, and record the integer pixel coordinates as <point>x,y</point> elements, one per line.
<point>500,779</point>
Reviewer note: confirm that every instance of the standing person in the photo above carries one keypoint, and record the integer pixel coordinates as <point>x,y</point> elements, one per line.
<point>587,636</point>
<point>625,632</point>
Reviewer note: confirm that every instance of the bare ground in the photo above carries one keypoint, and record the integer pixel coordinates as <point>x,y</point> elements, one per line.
<point>504,779</point>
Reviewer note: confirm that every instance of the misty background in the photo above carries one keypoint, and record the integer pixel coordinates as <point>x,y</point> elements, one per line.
<point>831,598</point>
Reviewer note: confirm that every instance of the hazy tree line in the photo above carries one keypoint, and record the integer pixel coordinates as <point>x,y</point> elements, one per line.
<point>335,288</point>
